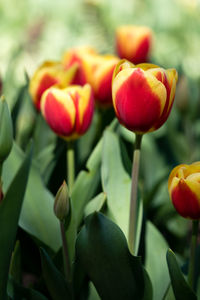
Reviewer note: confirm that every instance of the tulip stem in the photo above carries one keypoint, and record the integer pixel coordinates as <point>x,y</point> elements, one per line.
<point>65,252</point>
<point>70,165</point>
<point>133,200</point>
<point>195,227</point>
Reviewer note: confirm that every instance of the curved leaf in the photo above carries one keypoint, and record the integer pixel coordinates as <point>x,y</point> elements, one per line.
<point>182,290</point>
<point>103,253</point>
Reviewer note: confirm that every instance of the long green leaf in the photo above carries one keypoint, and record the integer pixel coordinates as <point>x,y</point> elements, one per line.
<point>181,289</point>
<point>10,209</point>
<point>37,217</point>
<point>55,282</point>
<point>155,261</point>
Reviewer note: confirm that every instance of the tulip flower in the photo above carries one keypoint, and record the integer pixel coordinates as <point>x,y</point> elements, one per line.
<point>134,43</point>
<point>143,95</point>
<point>68,111</point>
<point>184,190</point>
<point>47,75</point>
<point>99,74</point>
<point>76,56</point>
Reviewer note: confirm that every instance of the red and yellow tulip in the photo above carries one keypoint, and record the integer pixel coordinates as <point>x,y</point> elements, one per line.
<point>100,70</point>
<point>47,75</point>
<point>68,111</point>
<point>184,190</point>
<point>134,43</point>
<point>77,56</point>
<point>143,95</point>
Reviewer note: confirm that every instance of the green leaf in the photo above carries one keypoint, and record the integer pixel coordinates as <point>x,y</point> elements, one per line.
<point>103,253</point>
<point>55,281</point>
<point>15,264</point>
<point>96,204</point>
<point>10,209</point>
<point>87,183</point>
<point>37,217</point>
<point>18,292</point>
<point>155,262</point>
<point>182,290</point>
<point>115,180</point>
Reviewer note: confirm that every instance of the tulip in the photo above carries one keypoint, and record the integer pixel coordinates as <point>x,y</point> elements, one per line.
<point>99,74</point>
<point>76,56</point>
<point>184,190</point>
<point>134,43</point>
<point>47,75</point>
<point>68,111</point>
<point>143,95</point>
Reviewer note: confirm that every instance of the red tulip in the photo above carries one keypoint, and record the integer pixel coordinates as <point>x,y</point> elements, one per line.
<point>68,111</point>
<point>143,95</point>
<point>134,43</point>
<point>47,75</point>
<point>184,190</point>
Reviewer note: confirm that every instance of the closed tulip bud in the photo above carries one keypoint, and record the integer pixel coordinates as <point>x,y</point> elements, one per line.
<point>68,111</point>
<point>76,56</point>
<point>48,74</point>
<point>6,130</point>
<point>184,190</point>
<point>143,95</point>
<point>100,70</point>
<point>134,43</point>
<point>62,202</point>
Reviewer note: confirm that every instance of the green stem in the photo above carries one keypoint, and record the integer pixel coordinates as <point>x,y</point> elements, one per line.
<point>134,189</point>
<point>65,253</point>
<point>195,226</point>
<point>70,165</point>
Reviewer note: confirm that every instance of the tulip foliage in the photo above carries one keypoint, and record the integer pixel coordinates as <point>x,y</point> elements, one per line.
<point>82,217</point>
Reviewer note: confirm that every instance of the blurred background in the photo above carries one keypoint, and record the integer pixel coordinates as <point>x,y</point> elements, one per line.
<point>36,30</point>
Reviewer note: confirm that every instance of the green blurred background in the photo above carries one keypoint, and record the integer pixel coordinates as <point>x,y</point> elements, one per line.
<point>37,30</point>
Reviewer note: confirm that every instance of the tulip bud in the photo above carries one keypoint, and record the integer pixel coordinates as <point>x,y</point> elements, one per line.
<point>62,202</point>
<point>134,43</point>
<point>48,74</point>
<point>76,56</point>
<point>184,190</point>
<point>6,130</point>
<point>68,111</point>
<point>143,95</point>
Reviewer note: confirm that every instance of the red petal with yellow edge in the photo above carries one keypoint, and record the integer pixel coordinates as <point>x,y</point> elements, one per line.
<point>46,82</point>
<point>185,201</point>
<point>138,107</point>
<point>104,93</point>
<point>88,115</point>
<point>57,116</point>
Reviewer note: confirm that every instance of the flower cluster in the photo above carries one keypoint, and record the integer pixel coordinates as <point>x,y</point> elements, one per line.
<point>142,95</point>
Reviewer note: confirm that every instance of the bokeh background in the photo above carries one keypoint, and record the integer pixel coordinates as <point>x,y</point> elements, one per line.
<point>36,30</point>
